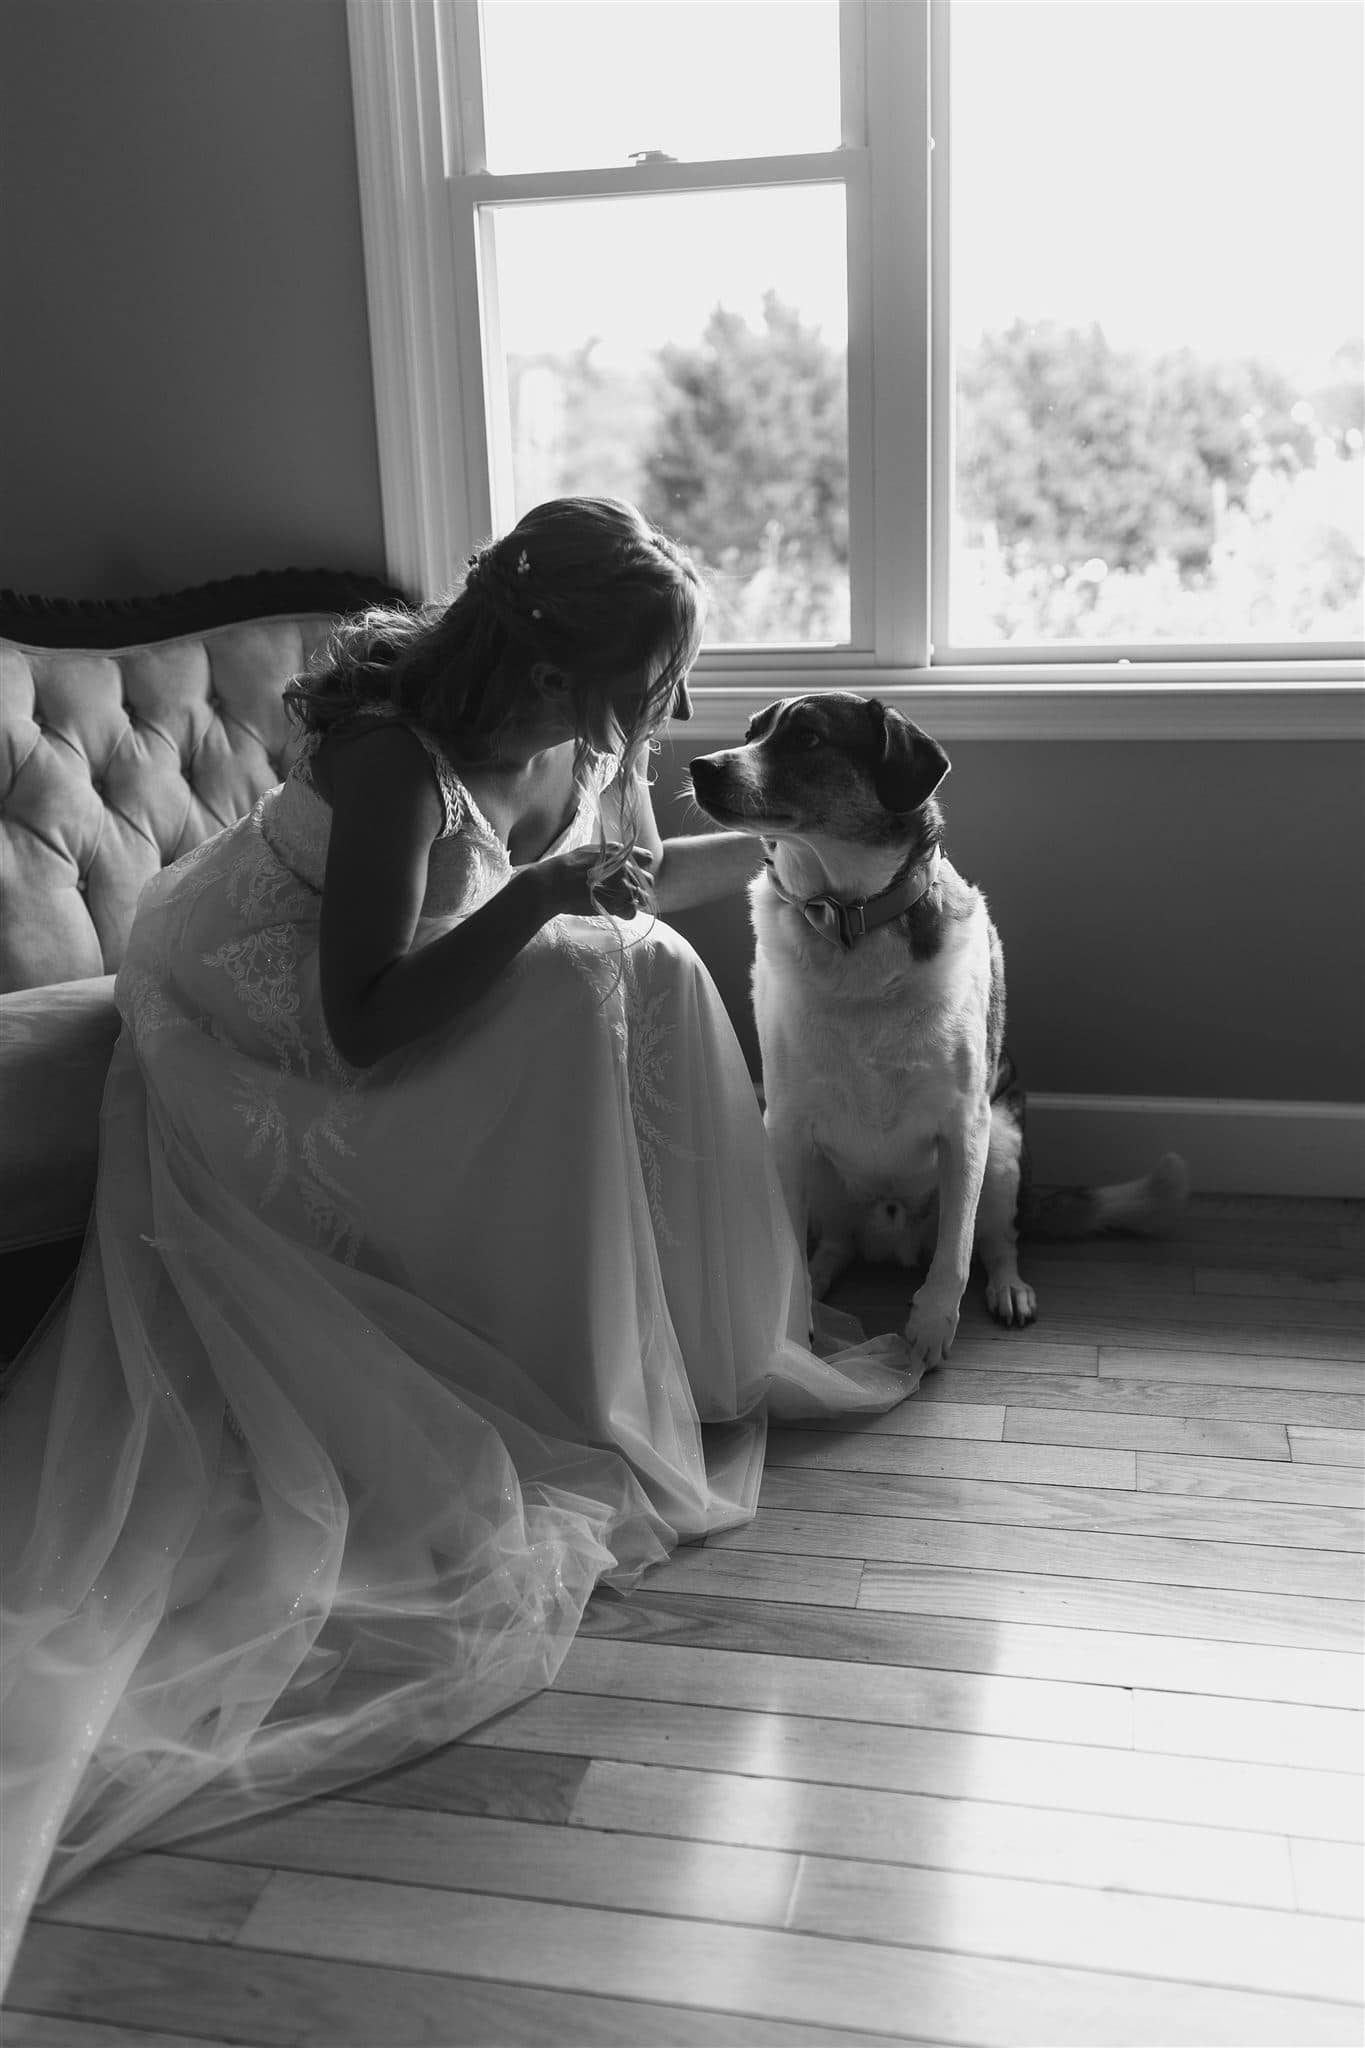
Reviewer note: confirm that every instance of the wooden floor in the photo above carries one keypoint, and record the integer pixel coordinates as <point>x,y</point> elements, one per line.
<point>1027,1713</point>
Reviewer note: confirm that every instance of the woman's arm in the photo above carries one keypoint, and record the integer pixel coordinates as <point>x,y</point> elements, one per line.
<point>378,991</point>
<point>696,867</point>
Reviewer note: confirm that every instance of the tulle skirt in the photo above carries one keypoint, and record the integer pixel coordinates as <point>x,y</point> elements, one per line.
<point>367,1380</point>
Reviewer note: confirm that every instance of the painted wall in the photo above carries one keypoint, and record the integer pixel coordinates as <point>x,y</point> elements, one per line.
<point>185,393</point>
<point>184,349</point>
<point>1177,919</point>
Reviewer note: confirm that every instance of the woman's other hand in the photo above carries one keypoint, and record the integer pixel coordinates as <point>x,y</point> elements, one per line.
<point>592,881</point>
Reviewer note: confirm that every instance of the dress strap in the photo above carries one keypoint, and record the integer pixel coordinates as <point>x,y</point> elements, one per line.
<point>453,799</point>
<point>454,803</point>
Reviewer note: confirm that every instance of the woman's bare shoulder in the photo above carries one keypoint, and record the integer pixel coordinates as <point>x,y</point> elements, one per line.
<point>377,768</point>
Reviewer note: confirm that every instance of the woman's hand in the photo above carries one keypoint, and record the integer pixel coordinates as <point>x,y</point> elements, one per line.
<point>591,881</point>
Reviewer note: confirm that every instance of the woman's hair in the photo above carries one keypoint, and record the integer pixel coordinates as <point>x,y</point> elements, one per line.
<point>583,585</point>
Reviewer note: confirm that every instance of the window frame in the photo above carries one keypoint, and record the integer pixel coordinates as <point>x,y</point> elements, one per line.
<point>444,484</point>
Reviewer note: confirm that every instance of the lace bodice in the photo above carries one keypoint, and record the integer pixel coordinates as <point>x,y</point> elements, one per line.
<point>468,862</point>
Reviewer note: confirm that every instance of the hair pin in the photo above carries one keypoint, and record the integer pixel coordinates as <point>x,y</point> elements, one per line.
<point>523,564</point>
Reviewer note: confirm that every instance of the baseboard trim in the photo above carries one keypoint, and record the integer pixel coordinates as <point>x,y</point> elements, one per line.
<point>1231,1147</point>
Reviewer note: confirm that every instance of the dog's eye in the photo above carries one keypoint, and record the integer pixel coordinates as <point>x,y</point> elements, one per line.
<point>808,737</point>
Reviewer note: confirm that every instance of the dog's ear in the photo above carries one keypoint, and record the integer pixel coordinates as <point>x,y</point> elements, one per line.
<point>762,722</point>
<point>910,766</point>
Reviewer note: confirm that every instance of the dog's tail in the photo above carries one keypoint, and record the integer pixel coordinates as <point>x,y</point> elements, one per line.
<point>1149,1207</point>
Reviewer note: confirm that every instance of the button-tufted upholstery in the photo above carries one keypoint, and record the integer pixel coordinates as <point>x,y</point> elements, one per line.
<point>115,759</point>
<point>113,764</point>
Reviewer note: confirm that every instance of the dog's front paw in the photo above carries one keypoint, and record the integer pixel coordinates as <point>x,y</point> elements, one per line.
<point>931,1329</point>
<point>1011,1301</point>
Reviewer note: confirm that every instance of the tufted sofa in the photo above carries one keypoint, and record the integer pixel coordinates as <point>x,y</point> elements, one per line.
<point>129,733</point>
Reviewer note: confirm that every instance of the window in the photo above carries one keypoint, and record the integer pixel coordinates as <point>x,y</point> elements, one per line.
<point>661,196</point>
<point>981,341</point>
<point>1155,240</point>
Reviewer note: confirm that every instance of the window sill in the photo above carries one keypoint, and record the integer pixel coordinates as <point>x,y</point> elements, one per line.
<point>1308,700</point>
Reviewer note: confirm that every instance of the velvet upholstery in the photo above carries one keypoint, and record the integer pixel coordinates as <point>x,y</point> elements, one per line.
<point>113,764</point>
<point>129,733</point>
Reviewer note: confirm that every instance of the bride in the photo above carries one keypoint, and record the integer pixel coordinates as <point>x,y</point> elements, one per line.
<point>438,1271</point>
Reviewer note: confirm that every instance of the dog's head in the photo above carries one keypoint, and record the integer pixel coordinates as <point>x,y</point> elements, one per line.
<point>831,767</point>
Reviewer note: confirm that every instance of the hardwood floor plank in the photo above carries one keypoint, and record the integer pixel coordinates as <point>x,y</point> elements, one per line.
<point>1275,1406</point>
<point>42,2030</point>
<point>1256,1731</point>
<point>1194,1295</point>
<point>1254,1329</point>
<point>149,1894</point>
<point>1226,1368</point>
<point>1156,1268</point>
<point>1286,1245</point>
<point>1017,1649</point>
<point>459,1780</point>
<point>1164,1858</point>
<point>891,1694</point>
<point>1329,1877</point>
<point>1071,1318</point>
<point>827,1582</point>
<point>765,1973</point>
<point>1129,1429</point>
<point>1327,1446</point>
<point>811,1450</point>
<point>1316,1255</point>
<point>983,1349</point>
<point>1251,1479</point>
<point>1266,1618</point>
<point>957,1420</point>
<point>1156,1298</point>
<point>1288,1284</point>
<point>1114,1511</point>
<point>1246,1948</point>
<point>1207,1792</point>
<point>290,2001</point>
<point>1167,1561</point>
<point>516,1859</point>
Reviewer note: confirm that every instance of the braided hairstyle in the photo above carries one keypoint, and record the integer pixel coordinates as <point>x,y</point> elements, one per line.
<point>584,586</point>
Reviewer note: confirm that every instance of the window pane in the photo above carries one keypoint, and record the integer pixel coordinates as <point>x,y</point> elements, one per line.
<point>569,86</point>
<point>689,352</point>
<point>1156,280</point>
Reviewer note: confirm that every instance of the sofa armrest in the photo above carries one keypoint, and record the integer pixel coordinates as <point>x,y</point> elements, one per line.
<point>55,1047</point>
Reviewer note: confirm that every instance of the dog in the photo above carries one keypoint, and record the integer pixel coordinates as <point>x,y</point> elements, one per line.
<point>892,1105</point>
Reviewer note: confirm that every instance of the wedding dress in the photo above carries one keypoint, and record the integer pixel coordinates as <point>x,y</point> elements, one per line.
<point>368,1378</point>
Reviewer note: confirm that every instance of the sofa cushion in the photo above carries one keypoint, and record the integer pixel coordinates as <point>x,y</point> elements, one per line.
<point>55,1045</point>
<point>115,762</point>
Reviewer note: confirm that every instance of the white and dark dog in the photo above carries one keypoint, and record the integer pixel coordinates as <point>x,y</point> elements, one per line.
<point>879,995</point>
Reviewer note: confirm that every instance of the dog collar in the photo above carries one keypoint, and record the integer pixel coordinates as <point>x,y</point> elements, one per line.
<point>846,922</point>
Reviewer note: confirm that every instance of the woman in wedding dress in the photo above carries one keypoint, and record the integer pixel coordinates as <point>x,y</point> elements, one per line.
<point>438,1271</point>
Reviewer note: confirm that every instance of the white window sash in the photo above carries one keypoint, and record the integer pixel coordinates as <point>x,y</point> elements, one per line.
<point>419,138</point>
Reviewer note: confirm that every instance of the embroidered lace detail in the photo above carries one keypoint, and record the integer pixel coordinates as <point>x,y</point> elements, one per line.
<point>144,1004</point>
<point>261,1111</point>
<point>325,1200</point>
<point>262,966</point>
<point>259,885</point>
<point>642,1035</point>
<point>650,1053</point>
